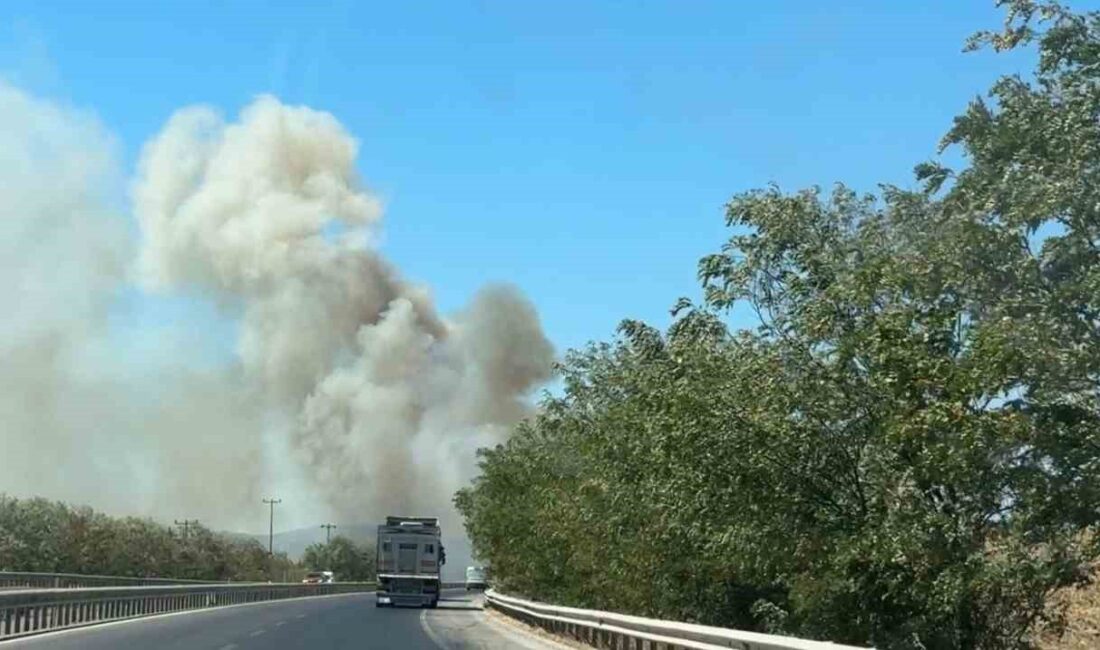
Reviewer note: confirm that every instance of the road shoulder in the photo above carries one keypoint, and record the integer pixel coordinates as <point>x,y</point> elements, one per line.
<point>461,623</point>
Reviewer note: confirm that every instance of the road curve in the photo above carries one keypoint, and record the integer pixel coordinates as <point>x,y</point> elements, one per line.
<point>329,622</point>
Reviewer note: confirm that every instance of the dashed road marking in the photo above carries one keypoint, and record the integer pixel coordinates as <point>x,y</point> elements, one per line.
<point>229,646</point>
<point>257,632</point>
<point>280,623</point>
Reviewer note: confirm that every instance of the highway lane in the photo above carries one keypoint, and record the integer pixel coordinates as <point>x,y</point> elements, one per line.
<point>345,621</point>
<point>328,622</point>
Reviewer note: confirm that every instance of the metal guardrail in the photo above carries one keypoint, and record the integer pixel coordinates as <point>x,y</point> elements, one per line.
<point>610,630</point>
<point>32,611</point>
<point>26,579</point>
<point>75,580</point>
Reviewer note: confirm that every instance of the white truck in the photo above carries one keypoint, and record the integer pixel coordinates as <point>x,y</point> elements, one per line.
<point>410,557</point>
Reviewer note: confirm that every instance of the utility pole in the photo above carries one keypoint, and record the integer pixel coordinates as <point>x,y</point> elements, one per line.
<point>271,526</point>
<point>328,531</point>
<point>185,526</point>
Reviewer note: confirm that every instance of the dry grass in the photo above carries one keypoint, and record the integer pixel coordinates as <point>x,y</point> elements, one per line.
<point>548,639</point>
<point>1082,616</point>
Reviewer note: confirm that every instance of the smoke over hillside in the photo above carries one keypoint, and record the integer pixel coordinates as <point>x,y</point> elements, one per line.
<point>343,369</point>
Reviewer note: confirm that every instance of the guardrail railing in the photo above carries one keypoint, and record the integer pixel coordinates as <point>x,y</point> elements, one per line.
<point>76,580</point>
<point>611,630</point>
<point>24,612</point>
<point>23,579</point>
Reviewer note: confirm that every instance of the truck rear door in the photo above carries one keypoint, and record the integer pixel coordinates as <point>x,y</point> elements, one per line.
<point>428,564</point>
<point>407,556</point>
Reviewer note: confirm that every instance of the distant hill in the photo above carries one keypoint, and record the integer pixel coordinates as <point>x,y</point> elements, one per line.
<point>294,543</point>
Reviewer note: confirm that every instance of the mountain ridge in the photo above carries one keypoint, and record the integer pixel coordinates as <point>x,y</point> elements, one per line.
<point>294,542</point>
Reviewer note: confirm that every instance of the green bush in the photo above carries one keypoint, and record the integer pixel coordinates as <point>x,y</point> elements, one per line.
<point>52,537</point>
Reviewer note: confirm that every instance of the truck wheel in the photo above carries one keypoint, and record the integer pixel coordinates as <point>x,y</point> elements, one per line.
<point>433,604</point>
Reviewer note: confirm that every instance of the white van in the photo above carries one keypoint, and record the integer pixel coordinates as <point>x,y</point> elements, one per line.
<point>475,578</point>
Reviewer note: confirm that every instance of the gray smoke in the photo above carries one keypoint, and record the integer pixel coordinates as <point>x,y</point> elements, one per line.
<point>386,400</point>
<point>82,419</point>
<point>346,379</point>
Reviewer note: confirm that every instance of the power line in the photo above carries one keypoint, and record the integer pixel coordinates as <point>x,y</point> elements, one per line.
<point>328,531</point>
<point>271,526</point>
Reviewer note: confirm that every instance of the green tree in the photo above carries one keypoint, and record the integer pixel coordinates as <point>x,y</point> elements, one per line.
<point>348,560</point>
<point>903,454</point>
<point>45,536</point>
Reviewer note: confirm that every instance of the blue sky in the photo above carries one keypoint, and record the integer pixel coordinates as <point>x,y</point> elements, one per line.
<point>580,150</point>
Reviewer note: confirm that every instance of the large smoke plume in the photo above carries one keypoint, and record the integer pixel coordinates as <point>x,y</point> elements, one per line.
<point>83,418</point>
<point>344,372</point>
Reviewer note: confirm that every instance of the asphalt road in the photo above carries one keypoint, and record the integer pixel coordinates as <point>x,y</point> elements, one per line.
<point>329,622</point>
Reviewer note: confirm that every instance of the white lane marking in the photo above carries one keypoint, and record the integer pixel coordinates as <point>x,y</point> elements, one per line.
<point>13,643</point>
<point>257,632</point>
<point>436,639</point>
<point>471,634</point>
<point>229,646</point>
<point>432,634</point>
<point>280,623</point>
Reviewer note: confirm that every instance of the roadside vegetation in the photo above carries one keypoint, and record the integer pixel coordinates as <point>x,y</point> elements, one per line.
<point>351,561</point>
<point>38,535</point>
<point>904,453</point>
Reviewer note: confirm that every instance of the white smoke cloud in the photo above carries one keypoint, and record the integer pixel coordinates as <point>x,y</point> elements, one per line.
<point>77,422</point>
<point>61,251</point>
<point>345,375</point>
<point>375,381</point>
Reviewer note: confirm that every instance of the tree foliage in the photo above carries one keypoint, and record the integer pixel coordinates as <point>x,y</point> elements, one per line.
<point>905,453</point>
<point>348,560</point>
<point>45,536</point>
